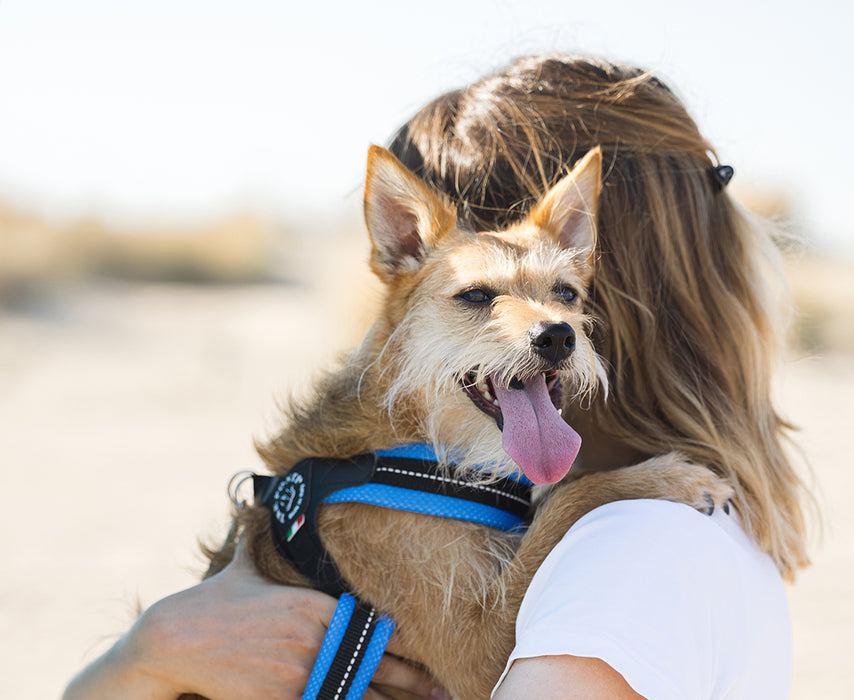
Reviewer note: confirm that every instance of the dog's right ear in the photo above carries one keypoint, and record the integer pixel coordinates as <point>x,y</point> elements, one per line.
<point>405,218</point>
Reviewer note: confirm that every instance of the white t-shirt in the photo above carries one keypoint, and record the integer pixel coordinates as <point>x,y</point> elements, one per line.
<point>683,605</point>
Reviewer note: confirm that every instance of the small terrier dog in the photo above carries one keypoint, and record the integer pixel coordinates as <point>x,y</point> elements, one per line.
<point>480,338</point>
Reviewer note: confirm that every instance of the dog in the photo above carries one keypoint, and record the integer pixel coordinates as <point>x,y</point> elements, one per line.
<point>480,338</point>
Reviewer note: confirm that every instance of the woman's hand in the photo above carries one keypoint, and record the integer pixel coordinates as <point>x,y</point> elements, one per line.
<point>234,636</point>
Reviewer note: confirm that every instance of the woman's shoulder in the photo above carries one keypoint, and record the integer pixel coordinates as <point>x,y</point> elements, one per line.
<point>663,526</point>
<point>659,538</point>
<point>659,591</point>
<point>653,513</point>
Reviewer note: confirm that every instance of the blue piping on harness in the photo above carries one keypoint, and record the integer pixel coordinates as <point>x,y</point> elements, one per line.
<point>403,478</point>
<point>428,504</point>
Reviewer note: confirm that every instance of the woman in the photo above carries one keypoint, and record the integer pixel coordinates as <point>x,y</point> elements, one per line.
<point>687,296</point>
<point>687,291</point>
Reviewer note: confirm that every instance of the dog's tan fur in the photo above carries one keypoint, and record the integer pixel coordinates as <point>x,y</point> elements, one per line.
<point>454,587</point>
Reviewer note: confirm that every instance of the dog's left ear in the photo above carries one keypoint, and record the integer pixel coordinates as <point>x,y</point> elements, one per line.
<point>568,210</point>
<point>405,218</point>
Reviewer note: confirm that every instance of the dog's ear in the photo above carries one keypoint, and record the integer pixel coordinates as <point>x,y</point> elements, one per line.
<point>568,210</point>
<point>405,218</point>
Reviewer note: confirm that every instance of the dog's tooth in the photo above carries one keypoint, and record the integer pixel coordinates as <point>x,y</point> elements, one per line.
<point>483,388</point>
<point>560,411</point>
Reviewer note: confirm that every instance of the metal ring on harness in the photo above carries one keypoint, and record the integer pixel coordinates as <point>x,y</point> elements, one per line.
<point>234,483</point>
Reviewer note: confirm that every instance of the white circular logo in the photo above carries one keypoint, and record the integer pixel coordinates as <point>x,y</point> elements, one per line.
<point>289,497</point>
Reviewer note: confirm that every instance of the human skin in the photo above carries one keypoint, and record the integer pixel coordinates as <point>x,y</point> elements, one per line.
<point>235,636</point>
<point>564,678</point>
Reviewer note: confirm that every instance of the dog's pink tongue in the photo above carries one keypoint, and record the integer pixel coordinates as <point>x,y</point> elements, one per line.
<point>534,434</point>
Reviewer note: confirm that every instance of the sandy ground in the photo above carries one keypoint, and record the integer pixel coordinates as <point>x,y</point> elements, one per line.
<point>124,409</point>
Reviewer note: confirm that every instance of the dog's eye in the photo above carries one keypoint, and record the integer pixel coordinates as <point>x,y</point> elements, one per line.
<point>476,295</point>
<point>566,293</point>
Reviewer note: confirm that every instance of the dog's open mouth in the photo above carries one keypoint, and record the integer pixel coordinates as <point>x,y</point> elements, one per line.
<point>483,395</point>
<point>527,412</point>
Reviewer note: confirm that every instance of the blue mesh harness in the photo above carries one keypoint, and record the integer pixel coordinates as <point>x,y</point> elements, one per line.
<point>404,478</point>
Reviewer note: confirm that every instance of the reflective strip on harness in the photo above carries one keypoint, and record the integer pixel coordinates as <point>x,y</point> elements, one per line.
<point>351,652</point>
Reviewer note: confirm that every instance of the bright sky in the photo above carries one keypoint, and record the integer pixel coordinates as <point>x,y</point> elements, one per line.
<point>186,108</point>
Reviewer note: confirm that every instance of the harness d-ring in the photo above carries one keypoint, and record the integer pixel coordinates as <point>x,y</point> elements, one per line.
<point>234,483</point>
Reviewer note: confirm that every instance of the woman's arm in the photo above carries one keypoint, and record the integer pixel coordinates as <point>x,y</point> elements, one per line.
<point>564,678</point>
<point>234,635</point>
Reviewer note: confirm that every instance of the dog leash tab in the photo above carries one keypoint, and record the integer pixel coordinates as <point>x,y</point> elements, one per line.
<point>350,653</point>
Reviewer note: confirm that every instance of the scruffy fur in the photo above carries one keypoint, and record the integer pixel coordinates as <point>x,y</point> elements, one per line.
<point>454,587</point>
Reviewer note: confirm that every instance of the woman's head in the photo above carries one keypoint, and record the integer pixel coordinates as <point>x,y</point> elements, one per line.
<point>684,283</point>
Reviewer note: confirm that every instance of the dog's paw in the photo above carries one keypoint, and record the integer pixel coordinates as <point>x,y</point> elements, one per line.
<point>672,477</point>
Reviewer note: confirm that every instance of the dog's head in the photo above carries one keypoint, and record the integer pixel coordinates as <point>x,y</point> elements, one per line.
<point>485,330</point>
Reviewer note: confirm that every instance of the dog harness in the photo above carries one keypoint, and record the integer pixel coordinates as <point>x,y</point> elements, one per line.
<point>405,478</point>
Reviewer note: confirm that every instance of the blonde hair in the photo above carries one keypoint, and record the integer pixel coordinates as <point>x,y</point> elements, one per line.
<point>687,286</point>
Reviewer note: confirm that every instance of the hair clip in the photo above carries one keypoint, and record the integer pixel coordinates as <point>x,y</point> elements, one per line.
<point>723,174</point>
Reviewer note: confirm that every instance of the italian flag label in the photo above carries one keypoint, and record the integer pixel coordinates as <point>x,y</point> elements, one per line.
<point>294,529</point>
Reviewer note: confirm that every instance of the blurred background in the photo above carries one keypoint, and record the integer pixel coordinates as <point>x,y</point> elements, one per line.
<point>181,247</point>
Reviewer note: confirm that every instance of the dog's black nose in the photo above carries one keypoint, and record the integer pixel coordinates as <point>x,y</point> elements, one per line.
<point>554,341</point>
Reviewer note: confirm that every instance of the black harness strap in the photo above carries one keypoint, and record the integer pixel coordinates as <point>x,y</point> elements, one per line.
<point>509,495</point>
<point>294,498</point>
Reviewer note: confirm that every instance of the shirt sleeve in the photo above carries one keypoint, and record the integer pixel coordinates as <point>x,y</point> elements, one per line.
<point>649,588</point>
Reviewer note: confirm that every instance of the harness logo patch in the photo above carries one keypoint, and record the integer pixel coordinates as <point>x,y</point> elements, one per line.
<point>288,500</point>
